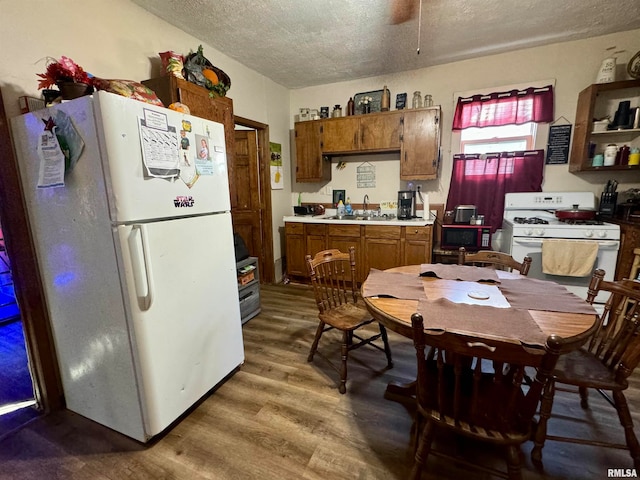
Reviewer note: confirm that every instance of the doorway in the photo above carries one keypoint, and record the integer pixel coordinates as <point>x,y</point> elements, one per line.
<point>17,400</point>
<point>37,345</point>
<point>251,213</point>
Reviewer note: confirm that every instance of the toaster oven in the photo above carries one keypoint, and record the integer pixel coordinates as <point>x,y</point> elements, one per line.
<point>471,237</point>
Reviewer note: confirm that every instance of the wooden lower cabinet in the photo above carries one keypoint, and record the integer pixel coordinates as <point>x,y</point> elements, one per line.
<point>344,237</point>
<point>316,238</point>
<point>381,247</point>
<point>377,246</point>
<point>295,249</point>
<point>418,245</point>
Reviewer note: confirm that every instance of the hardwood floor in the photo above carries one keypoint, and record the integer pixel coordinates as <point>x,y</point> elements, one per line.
<point>281,418</point>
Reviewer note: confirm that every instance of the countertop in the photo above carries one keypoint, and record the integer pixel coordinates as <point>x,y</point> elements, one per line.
<point>374,221</point>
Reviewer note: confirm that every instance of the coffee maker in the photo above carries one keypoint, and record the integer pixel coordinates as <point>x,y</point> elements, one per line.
<point>406,204</point>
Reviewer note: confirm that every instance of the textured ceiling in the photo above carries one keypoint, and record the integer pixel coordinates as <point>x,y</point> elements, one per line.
<point>299,43</point>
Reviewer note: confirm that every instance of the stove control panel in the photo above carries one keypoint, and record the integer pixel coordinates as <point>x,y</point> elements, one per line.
<point>548,200</point>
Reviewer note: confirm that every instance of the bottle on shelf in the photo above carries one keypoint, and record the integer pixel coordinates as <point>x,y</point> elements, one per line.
<point>385,101</point>
<point>624,155</point>
<point>350,107</point>
<point>341,208</point>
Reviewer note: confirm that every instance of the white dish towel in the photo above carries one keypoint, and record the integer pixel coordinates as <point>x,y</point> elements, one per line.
<point>569,258</point>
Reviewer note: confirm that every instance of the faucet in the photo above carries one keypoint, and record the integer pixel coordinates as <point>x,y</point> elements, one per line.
<point>365,204</point>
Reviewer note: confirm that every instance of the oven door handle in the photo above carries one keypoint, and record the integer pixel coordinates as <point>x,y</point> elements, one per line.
<point>605,245</point>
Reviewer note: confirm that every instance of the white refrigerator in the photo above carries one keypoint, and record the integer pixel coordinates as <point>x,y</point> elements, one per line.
<point>130,213</point>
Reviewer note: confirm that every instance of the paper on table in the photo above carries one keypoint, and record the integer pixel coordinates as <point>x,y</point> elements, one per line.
<point>458,291</point>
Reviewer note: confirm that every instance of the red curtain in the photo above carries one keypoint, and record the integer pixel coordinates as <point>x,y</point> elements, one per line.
<point>505,108</point>
<point>483,180</point>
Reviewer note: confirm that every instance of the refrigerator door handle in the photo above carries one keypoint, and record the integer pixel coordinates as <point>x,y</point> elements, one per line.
<point>141,267</point>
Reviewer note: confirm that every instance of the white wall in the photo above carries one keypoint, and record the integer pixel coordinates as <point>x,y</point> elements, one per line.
<point>118,39</point>
<point>574,65</point>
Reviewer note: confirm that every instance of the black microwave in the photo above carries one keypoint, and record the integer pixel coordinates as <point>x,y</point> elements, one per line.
<point>471,237</point>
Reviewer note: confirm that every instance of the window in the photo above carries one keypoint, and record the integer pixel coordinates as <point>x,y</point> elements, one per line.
<point>497,139</point>
<point>507,138</point>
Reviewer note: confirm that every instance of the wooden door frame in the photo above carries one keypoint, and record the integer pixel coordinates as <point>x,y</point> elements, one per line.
<point>264,175</point>
<point>27,280</point>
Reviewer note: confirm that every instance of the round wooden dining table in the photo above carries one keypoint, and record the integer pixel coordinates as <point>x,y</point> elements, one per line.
<point>395,313</point>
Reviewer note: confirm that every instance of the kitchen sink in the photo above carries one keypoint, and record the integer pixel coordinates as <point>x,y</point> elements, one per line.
<point>361,217</point>
<point>350,217</point>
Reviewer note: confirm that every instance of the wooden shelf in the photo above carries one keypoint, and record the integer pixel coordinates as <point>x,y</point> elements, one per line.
<point>611,168</point>
<point>593,101</point>
<point>630,131</point>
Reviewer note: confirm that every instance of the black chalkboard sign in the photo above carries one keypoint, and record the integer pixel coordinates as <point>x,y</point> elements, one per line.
<point>558,145</point>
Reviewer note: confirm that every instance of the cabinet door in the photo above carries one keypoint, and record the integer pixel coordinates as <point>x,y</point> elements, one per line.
<point>310,165</point>
<point>381,248</point>
<point>295,249</point>
<point>341,135</point>
<point>344,236</point>
<point>417,245</point>
<point>316,238</point>
<point>420,144</point>
<point>380,132</point>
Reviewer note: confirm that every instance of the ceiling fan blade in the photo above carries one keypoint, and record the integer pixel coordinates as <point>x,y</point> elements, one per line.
<point>403,10</point>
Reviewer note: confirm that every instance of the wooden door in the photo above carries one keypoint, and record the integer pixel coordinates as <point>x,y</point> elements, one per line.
<point>420,144</point>
<point>247,213</point>
<point>381,132</point>
<point>341,135</point>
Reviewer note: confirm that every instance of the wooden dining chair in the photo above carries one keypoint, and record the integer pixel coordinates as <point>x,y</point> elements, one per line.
<point>604,364</point>
<point>494,259</point>
<point>484,399</point>
<point>333,276</point>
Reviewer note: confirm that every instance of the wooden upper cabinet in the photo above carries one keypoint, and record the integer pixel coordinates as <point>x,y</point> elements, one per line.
<point>170,89</point>
<point>311,166</point>
<point>420,144</point>
<point>381,132</point>
<point>341,135</point>
<point>362,133</point>
<point>415,133</point>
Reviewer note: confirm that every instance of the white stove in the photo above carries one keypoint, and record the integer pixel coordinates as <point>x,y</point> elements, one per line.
<point>529,219</point>
<point>533,215</point>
